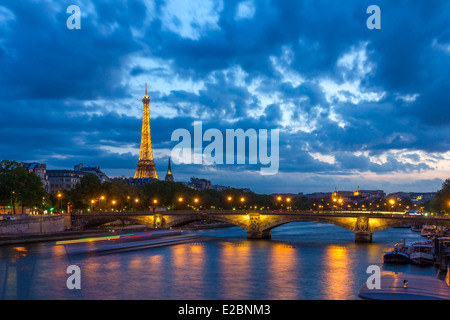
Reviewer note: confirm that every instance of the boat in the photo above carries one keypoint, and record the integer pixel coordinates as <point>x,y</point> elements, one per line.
<point>442,252</point>
<point>428,231</point>
<point>422,253</point>
<point>400,254</point>
<point>416,228</point>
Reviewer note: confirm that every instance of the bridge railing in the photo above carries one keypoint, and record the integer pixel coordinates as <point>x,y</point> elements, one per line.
<point>269,212</point>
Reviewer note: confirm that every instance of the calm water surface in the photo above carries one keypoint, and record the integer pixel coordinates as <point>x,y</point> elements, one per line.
<point>302,261</point>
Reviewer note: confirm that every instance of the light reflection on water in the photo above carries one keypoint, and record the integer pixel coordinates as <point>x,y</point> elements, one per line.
<point>337,279</point>
<point>302,261</point>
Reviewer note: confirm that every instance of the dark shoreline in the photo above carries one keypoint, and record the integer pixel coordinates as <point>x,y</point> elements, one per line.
<point>71,235</point>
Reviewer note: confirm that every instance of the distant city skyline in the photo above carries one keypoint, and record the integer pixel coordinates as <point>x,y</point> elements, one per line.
<point>354,106</point>
<point>268,189</point>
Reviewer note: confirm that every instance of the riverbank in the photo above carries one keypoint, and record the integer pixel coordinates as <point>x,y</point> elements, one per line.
<point>71,235</point>
<point>66,235</point>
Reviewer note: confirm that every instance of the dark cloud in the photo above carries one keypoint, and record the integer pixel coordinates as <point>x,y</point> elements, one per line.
<point>62,90</point>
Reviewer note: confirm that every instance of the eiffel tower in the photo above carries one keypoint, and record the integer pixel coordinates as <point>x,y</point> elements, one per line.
<point>146,167</point>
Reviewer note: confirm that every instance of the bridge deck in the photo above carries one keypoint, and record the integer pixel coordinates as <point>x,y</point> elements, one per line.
<point>306,214</point>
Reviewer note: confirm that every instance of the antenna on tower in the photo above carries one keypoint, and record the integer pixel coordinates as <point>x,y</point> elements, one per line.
<point>146,89</point>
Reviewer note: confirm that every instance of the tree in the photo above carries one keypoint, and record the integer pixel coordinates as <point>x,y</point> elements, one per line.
<point>442,203</point>
<point>88,189</point>
<point>18,186</point>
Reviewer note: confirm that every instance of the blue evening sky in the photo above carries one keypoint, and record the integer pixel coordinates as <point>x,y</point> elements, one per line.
<point>355,107</point>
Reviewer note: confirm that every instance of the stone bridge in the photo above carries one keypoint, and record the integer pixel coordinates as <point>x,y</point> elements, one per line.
<point>260,225</point>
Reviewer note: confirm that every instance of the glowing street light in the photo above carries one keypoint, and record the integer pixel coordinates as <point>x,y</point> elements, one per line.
<point>180,199</point>
<point>155,201</point>
<point>59,200</point>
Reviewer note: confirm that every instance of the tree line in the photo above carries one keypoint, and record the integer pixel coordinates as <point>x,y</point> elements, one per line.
<point>19,187</point>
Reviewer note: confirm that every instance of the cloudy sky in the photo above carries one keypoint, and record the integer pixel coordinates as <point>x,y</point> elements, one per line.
<point>355,107</point>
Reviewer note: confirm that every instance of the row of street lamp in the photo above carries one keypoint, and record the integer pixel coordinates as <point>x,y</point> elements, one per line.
<point>242,200</point>
<point>155,201</point>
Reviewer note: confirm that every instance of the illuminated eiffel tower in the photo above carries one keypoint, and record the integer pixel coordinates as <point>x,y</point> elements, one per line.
<point>146,167</point>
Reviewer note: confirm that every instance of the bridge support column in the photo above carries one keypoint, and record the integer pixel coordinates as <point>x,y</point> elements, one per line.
<point>363,237</point>
<point>267,234</point>
<point>362,230</point>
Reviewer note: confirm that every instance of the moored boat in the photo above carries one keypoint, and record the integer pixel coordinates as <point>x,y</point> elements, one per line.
<point>396,257</point>
<point>433,231</point>
<point>400,254</point>
<point>428,231</point>
<point>442,252</point>
<point>422,253</point>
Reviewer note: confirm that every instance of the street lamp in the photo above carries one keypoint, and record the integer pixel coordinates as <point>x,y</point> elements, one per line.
<point>59,201</point>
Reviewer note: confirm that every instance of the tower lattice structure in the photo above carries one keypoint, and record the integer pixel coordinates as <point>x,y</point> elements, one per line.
<point>146,167</point>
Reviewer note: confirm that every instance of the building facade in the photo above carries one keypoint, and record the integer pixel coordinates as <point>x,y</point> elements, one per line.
<point>39,169</point>
<point>60,180</point>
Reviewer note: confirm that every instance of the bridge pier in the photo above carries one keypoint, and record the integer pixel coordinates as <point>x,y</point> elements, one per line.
<point>363,237</point>
<point>266,234</point>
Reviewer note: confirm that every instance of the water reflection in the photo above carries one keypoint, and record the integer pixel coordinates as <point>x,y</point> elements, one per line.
<point>338,282</point>
<point>235,270</point>
<point>16,273</point>
<point>283,269</point>
<point>303,261</point>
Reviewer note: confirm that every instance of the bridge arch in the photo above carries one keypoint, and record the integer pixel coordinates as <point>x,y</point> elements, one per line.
<point>259,225</point>
<point>346,224</point>
<point>171,221</point>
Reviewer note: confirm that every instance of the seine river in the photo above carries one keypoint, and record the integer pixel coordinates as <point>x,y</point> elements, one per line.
<point>308,261</point>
